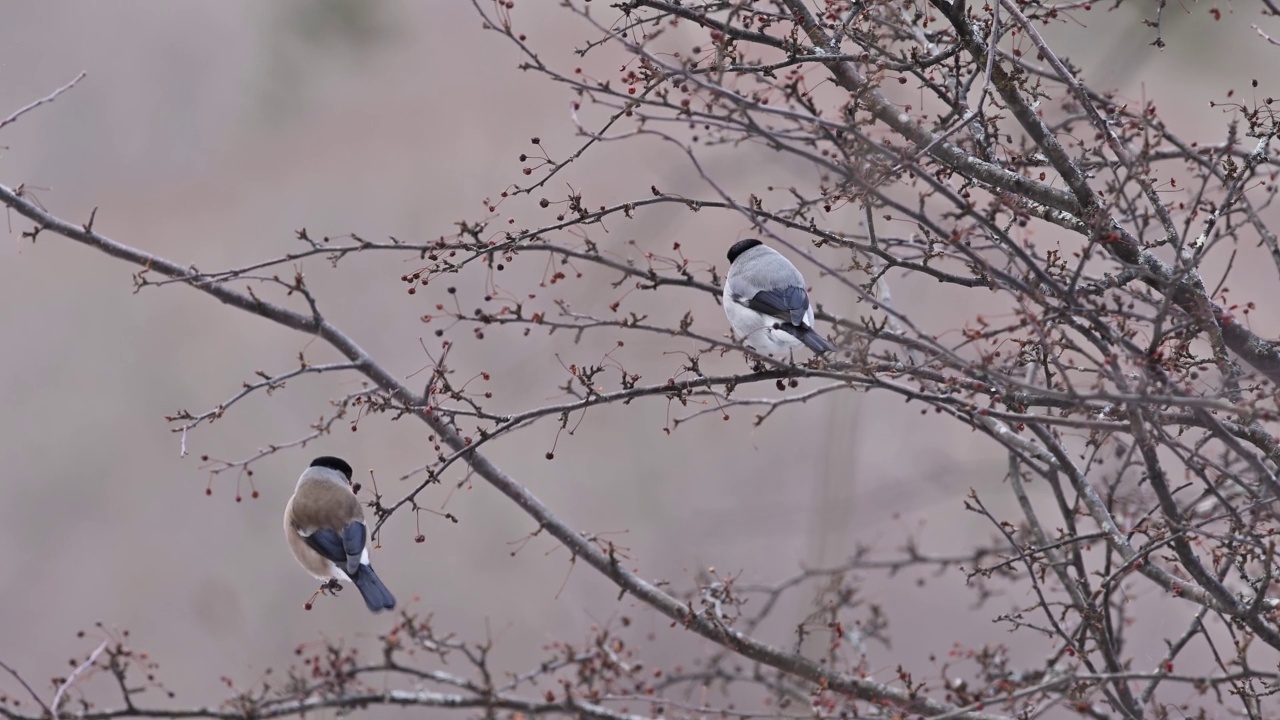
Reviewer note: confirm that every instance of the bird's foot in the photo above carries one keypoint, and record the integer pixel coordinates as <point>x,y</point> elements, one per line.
<point>330,587</point>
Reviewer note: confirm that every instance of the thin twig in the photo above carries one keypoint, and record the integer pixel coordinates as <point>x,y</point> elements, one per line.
<point>46,99</point>
<point>75,675</point>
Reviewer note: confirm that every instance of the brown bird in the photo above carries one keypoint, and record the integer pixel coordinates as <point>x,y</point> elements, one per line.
<point>324,525</point>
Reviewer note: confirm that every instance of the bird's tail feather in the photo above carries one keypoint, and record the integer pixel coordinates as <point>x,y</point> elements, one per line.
<point>375,594</point>
<point>816,342</point>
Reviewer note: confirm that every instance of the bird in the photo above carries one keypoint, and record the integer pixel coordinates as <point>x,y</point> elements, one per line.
<point>324,525</point>
<point>766,303</point>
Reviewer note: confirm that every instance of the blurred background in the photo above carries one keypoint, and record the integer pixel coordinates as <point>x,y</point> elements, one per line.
<point>209,133</point>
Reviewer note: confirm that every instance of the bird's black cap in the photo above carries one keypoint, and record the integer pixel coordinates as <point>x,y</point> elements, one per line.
<point>333,463</point>
<point>742,246</point>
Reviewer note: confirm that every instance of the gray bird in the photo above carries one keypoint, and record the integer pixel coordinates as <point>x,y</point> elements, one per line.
<point>324,525</point>
<point>765,301</point>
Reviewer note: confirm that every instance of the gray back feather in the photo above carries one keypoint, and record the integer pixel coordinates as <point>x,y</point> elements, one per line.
<point>761,268</point>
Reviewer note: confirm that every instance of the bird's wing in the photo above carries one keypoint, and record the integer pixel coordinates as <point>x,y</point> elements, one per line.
<point>353,537</point>
<point>788,304</point>
<point>329,544</point>
<point>343,549</point>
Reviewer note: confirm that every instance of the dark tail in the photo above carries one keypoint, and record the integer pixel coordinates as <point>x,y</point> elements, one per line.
<point>375,594</point>
<point>815,342</point>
